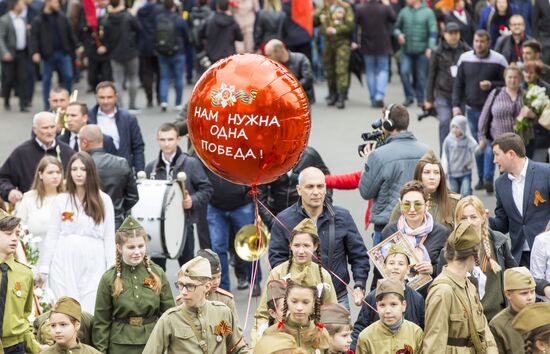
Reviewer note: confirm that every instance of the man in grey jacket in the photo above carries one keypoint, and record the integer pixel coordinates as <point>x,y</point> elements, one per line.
<point>389,166</point>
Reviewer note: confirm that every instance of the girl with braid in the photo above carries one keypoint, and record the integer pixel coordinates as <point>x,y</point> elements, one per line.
<point>302,318</point>
<point>533,322</point>
<point>303,245</point>
<point>494,255</point>
<point>131,296</point>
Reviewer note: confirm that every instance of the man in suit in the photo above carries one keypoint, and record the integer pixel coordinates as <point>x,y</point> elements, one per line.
<point>523,196</point>
<point>541,27</point>
<point>119,124</point>
<point>115,174</point>
<point>14,54</point>
<point>77,117</point>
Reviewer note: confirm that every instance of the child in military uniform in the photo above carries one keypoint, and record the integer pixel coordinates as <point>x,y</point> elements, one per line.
<point>337,321</point>
<point>392,333</point>
<point>304,243</point>
<point>519,289</point>
<point>65,319</point>
<point>533,322</point>
<point>278,343</point>
<point>275,292</point>
<point>197,325</point>
<point>44,333</point>
<point>454,315</point>
<point>302,318</point>
<point>16,293</point>
<point>131,295</point>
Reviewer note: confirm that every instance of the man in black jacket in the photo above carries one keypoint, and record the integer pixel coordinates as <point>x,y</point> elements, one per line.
<point>115,175</point>
<point>171,160</point>
<point>339,238</point>
<point>439,89</point>
<point>541,27</point>
<point>297,63</point>
<point>17,172</point>
<point>53,43</point>
<point>510,46</point>
<point>220,33</point>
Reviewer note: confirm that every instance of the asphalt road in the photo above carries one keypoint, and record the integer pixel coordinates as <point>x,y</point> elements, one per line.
<point>334,133</point>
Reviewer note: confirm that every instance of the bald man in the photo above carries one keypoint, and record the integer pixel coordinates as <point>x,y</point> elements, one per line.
<point>297,63</point>
<point>115,174</point>
<point>339,237</point>
<point>17,172</point>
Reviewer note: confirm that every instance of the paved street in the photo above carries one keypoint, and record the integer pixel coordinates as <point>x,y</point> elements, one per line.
<point>335,134</point>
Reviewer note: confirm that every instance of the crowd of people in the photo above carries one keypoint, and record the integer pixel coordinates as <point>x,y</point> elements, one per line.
<point>448,275</point>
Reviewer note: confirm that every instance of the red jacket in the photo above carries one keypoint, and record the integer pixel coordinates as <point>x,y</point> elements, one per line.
<point>348,182</point>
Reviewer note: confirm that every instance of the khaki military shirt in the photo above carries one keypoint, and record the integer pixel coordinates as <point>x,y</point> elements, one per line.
<point>79,349</point>
<point>446,317</point>
<point>173,334</point>
<point>302,335</point>
<point>339,16</point>
<point>137,300</point>
<point>379,339</point>
<point>19,306</point>
<point>509,341</point>
<point>44,335</point>
<point>226,298</point>
<point>310,272</point>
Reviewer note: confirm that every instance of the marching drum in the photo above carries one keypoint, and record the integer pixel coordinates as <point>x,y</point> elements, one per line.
<point>160,212</point>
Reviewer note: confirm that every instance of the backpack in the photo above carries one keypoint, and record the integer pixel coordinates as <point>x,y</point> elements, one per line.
<point>166,42</point>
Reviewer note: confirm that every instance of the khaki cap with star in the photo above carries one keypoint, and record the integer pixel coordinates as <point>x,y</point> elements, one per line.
<point>389,285</point>
<point>3,214</point>
<point>430,157</point>
<point>335,314</point>
<point>197,267</point>
<point>532,317</point>
<point>463,237</point>
<point>68,306</point>
<point>212,257</point>
<point>274,342</point>
<point>276,289</point>
<point>395,249</point>
<point>130,224</point>
<point>306,226</point>
<point>518,278</point>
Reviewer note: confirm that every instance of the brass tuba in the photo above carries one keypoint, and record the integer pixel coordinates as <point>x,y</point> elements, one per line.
<point>248,245</point>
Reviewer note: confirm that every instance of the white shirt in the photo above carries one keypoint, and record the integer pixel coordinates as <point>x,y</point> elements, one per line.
<point>43,146</point>
<point>20,30</point>
<point>107,124</point>
<point>167,164</point>
<point>518,189</point>
<point>461,16</point>
<point>74,140</point>
<point>540,257</point>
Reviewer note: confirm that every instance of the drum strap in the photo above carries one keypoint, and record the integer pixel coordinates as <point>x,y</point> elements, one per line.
<point>180,162</point>
<point>197,333</point>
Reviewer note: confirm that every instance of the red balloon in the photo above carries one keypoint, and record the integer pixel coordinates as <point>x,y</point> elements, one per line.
<point>249,119</point>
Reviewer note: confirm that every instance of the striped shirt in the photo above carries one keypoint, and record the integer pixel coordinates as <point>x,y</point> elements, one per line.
<point>499,117</point>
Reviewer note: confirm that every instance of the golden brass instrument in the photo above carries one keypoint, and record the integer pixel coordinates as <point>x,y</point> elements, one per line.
<point>248,245</point>
<point>61,117</point>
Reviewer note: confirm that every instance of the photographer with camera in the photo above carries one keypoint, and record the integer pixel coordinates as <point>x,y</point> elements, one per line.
<point>389,166</point>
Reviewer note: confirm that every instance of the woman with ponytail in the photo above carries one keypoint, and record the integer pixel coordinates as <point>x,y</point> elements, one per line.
<point>494,256</point>
<point>304,246</point>
<point>302,318</point>
<point>131,296</point>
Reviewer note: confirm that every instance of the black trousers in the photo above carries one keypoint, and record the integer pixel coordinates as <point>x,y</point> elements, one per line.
<point>99,70</point>
<point>15,349</point>
<point>14,77</point>
<point>305,49</point>
<point>150,75</point>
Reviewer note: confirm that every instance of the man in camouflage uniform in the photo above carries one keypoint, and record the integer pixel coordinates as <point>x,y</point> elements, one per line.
<point>336,22</point>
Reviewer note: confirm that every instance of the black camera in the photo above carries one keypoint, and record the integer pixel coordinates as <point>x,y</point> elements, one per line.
<point>377,135</point>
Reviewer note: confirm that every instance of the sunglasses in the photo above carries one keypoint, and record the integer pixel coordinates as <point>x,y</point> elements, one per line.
<point>418,206</point>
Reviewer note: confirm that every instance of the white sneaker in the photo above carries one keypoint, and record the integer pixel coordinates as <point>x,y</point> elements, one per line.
<point>163,106</point>
<point>178,108</point>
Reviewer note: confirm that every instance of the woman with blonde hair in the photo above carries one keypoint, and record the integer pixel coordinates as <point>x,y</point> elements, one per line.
<point>494,256</point>
<point>34,209</point>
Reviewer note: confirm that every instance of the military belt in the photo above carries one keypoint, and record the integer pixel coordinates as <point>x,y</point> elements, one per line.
<point>136,321</point>
<point>459,342</point>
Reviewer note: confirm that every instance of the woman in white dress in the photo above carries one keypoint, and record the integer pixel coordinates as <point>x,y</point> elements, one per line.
<point>34,209</point>
<point>80,244</point>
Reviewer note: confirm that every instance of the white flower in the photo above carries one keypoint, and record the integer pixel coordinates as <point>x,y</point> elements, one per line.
<point>226,95</point>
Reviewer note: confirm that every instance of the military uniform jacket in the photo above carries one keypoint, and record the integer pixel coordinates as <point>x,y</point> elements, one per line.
<point>446,317</point>
<point>379,339</point>
<point>300,334</point>
<point>173,335</point>
<point>509,341</point>
<point>226,298</point>
<point>19,297</point>
<point>339,16</point>
<point>137,299</point>
<point>309,272</point>
<point>79,349</point>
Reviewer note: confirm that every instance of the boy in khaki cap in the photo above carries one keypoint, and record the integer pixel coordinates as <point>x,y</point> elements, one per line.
<point>197,325</point>
<point>392,333</point>
<point>337,321</point>
<point>519,289</point>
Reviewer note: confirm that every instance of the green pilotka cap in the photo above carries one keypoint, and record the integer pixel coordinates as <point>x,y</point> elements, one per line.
<point>306,226</point>
<point>130,224</point>
<point>463,237</point>
<point>212,257</point>
<point>3,214</point>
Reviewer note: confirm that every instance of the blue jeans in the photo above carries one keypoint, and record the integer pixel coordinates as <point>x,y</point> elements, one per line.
<point>62,63</point>
<point>377,72</point>
<point>444,115</point>
<point>171,67</point>
<point>417,65</point>
<point>488,164</point>
<point>344,300</point>
<point>473,118</point>
<point>376,236</point>
<point>461,185</point>
<point>219,224</point>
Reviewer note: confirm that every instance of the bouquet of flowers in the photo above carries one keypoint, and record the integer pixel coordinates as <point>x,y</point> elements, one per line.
<point>536,100</point>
